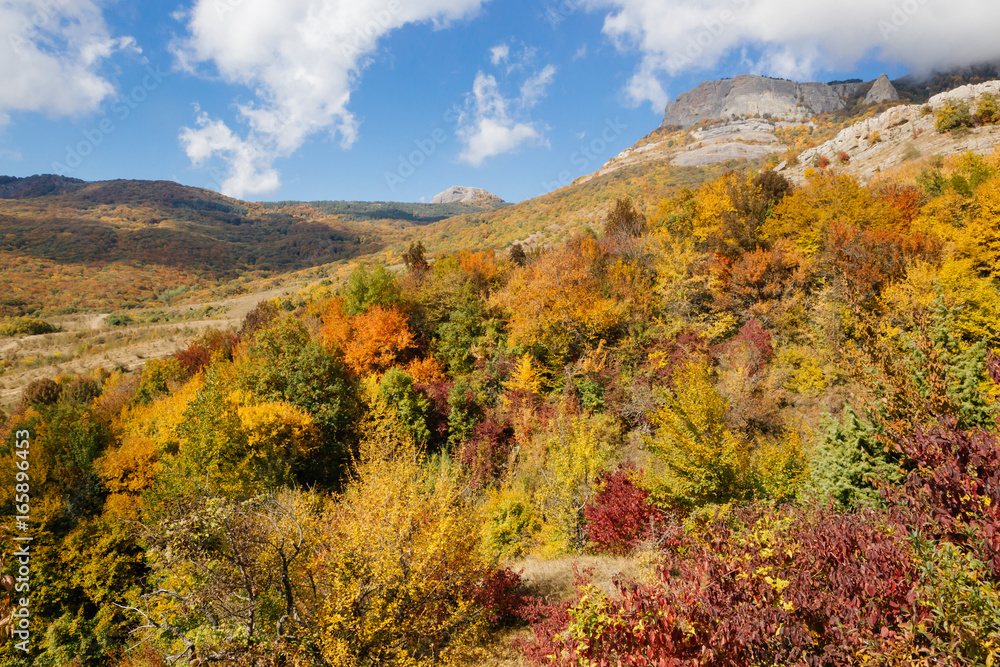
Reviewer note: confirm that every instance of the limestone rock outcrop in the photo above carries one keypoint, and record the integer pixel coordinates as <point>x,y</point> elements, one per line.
<point>749,95</point>
<point>882,91</point>
<point>459,194</point>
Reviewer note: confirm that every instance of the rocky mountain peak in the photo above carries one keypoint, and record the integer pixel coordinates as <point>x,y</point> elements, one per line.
<point>882,91</point>
<point>459,194</point>
<point>750,95</point>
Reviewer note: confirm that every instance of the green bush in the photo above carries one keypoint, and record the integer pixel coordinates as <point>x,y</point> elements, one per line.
<point>987,113</point>
<point>29,326</point>
<point>954,115</point>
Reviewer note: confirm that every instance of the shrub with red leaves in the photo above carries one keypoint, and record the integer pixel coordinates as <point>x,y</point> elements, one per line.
<point>198,354</point>
<point>500,595</point>
<point>619,516</point>
<point>906,200</point>
<point>954,488</point>
<point>993,367</point>
<point>753,343</point>
<point>437,415</point>
<point>487,452</point>
<point>760,586</point>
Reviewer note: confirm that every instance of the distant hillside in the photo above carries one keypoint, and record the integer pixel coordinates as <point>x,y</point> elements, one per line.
<point>366,211</point>
<point>67,245</point>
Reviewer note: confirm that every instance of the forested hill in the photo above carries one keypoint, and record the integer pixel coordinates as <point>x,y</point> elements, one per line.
<point>127,241</point>
<point>764,415</point>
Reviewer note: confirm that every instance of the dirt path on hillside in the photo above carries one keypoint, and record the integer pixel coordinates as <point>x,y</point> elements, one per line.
<point>87,342</point>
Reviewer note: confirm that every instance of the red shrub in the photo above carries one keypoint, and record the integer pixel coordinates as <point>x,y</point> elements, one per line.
<point>824,162</point>
<point>761,586</point>
<point>904,199</point>
<point>761,276</point>
<point>486,454</point>
<point>955,488</point>
<point>198,354</point>
<point>993,367</point>
<point>619,516</point>
<point>865,260</point>
<point>500,595</point>
<point>752,343</point>
<point>437,416</point>
<point>843,157</point>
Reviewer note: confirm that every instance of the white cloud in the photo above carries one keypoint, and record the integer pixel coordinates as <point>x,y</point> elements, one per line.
<point>499,53</point>
<point>302,58</point>
<point>52,53</point>
<point>796,39</point>
<point>249,163</point>
<point>496,125</point>
<point>534,88</point>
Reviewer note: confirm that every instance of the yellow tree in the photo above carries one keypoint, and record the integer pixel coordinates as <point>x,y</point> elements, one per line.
<point>401,561</point>
<point>807,214</point>
<point>703,461</point>
<point>568,457</point>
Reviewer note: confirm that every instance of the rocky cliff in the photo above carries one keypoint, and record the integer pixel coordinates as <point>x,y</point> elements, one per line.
<point>458,194</point>
<point>882,91</point>
<point>749,95</point>
<point>902,134</point>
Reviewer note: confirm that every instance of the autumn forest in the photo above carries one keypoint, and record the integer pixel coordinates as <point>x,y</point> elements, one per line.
<point>756,423</point>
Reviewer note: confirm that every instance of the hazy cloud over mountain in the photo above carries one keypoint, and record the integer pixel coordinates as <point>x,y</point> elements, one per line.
<point>795,39</point>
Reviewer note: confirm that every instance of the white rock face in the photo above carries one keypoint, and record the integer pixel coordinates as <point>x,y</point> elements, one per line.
<point>882,91</point>
<point>458,194</point>
<point>748,95</point>
<point>896,135</point>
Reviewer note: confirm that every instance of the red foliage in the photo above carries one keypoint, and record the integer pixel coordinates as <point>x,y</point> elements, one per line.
<point>619,516</point>
<point>678,352</point>
<point>993,367</point>
<point>865,260</point>
<point>437,417</point>
<point>487,453</point>
<point>766,586</point>
<point>500,595</point>
<point>906,199</point>
<point>824,162</point>
<point>753,340</point>
<point>843,157</point>
<point>760,276</point>
<point>955,487</point>
<point>198,354</point>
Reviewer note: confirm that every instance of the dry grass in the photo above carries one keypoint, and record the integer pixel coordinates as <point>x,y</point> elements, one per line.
<point>555,580</point>
<point>501,652</point>
<point>87,342</point>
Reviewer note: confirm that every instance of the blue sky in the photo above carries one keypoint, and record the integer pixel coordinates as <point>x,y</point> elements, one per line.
<point>400,99</point>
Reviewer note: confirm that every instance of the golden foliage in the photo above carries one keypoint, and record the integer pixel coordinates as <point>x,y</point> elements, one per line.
<point>555,303</point>
<point>426,370</point>
<point>569,456</point>
<point>401,559</point>
<point>703,461</point>
<point>371,342</point>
